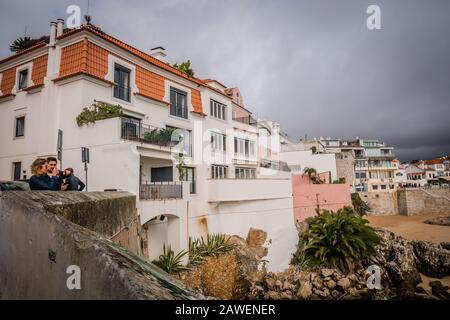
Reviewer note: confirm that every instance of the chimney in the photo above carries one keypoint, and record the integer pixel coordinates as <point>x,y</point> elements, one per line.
<point>59,27</point>
<point>158,53</point>
<point>52,39</point>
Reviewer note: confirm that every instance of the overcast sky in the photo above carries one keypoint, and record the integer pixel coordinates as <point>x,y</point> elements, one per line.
<point>311,65</point>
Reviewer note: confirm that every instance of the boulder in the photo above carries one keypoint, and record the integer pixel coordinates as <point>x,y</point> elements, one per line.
<point>326,273</point>
<point>433,259</point>
<point>344,283</point>
<point>324,293</point>
<point>440,290</point>
<point>305,290</point>
<point>330,284</point>
<point>397,260</point>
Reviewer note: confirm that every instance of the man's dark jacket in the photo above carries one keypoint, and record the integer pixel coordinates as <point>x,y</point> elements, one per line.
<point>74,183</point>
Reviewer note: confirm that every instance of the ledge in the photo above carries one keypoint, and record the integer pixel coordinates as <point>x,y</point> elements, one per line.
<point>82,75</point>
<point>150,99</point>
<point>34,89</point>
<point>7,97</point>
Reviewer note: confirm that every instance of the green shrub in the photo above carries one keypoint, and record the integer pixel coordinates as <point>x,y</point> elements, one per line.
<point>170,262</point>
<point>201,248</point>
<point>98,111</point>
<point>159,136</point>
<point>340,239</point>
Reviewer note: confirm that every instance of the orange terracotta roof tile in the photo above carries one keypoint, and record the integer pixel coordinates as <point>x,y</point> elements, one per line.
<point>71,57</point>
<point>150,84</point>
<point>196,101</point>
<point>434,161</point>
<point>8,81</point>
<point>97,60</point>
<point>39,70</point>
<point>38,45</point>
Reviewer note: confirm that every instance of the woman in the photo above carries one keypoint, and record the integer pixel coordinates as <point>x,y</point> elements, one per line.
<point>40,179</point>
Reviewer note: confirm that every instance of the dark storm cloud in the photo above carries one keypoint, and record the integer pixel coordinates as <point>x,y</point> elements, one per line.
<point>311,65</point>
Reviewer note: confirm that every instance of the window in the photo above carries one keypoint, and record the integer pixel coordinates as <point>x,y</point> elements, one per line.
<point>245,173</point>
<point>17,168</point>
<point>244,147</point>
<point>218,141</point>
<point>238,98</point>
<point>360,175</point>
<point>190,176</point>
<point>217,110</point>
<point>184,137</point>
<point>178,103</point>
<point>383,187</point>
<point>218,172</point>
<point>234,114</point>
<point>122,82</point>
<point>20,127</point>
<point>130,127</point>
<point>374,187</point>
<point>23,79</point>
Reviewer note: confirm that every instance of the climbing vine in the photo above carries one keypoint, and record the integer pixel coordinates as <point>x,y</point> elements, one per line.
<point>98,111</point>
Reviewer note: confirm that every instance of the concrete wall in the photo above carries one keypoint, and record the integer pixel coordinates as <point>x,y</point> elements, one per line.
<point>305,158</point>
<point>37,246</point>
<point>308,197</point>
<point>420,201</point>
<point>381,203</point>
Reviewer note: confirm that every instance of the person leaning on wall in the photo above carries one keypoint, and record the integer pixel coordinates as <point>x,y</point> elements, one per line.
<point>41,180</point>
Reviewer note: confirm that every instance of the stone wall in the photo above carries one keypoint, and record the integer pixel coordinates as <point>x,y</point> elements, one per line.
<point>419,201</point>
<point>381,203</point>
<point>345,167</point>
<point>37,246</point>
<point>110,214</point>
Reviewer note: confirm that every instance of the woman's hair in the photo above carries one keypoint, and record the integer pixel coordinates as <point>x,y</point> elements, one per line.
<point>37,164</point>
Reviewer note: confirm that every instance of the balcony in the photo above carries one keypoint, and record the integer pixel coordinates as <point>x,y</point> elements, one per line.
<point>246,120</point>
<point>134,130</point>
<point>161,191</point>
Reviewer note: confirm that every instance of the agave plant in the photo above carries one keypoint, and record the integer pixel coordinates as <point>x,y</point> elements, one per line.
<point>171,262</point>
<point>340,239</point>
<point>213,244</point>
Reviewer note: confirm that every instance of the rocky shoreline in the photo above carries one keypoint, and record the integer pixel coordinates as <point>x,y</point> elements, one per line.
<point>400,262</point>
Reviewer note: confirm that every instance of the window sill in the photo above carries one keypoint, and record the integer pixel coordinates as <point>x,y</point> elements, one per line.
<point>179,118</point>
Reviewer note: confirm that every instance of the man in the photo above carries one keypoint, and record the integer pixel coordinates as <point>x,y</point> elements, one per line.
<point>72,182</point>
<point>52,164</point>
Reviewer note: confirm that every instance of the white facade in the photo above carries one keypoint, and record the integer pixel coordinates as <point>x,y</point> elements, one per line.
<point>225,205</point>
<point>298,160</point>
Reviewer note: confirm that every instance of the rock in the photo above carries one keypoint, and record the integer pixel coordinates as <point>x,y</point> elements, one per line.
<point>286,295</point>
<point>317,283</point>
<point>344,283</point>
<point>336,294</point>
<point>270,283</point>
<point>432,259</point>
<point>288,286</point>
<point>440,221</point>
<point>326,272</point>
<point>327,279</point>
<point>272,295</point>
<point>256,237</point>
<point>312,276</point>
<point>396,258</point>
<point>439,290</point>
<point>353,278</point>
<point>330,284</point>
<point>353,291</point>
<point>445,245</point>
<point>325,293</point>
<point>278,284</point>
<point>305,290</point>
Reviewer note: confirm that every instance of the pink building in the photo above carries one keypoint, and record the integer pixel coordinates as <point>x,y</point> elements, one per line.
<point>308,196</point>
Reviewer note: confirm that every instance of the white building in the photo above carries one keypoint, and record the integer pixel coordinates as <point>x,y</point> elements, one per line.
<point>44,89</point>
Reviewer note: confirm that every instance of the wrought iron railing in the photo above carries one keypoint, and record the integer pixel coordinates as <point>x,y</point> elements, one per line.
<point>161,190</point>
<point>137,131</point>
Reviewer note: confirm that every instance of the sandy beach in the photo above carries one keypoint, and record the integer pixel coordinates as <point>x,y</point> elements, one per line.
<point>414,228</point>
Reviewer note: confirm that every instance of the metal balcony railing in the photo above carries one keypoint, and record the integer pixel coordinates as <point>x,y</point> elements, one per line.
<point>161,190</point>
<point>137,131</point>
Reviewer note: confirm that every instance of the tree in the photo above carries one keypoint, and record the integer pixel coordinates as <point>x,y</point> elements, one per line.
<point>185,67</point>
<point>312,175</point>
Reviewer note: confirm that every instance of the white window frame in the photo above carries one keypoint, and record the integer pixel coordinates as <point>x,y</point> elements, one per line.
<point>15,126</point>
<point>219,171</point>
<point>217,110</point>
<point>29,67</point>
<point>218,141</point>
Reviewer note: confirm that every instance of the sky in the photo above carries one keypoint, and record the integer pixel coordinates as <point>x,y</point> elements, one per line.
<point>313,66</point>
